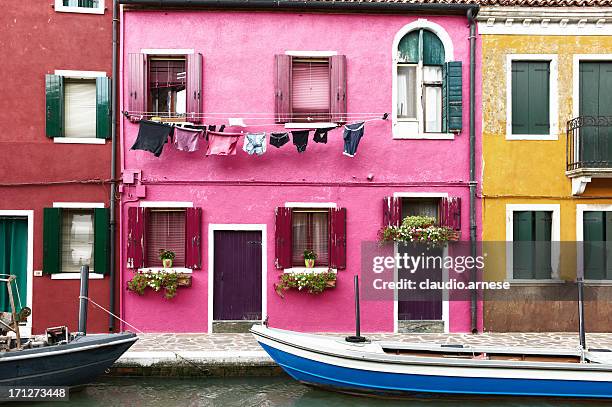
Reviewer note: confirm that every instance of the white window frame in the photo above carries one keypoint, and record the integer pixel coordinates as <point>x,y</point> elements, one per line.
<point>26,329</point>
<point>59,7</point>
<point>553,96</point>
<point>576,76</point>
<point>77,205</point>
<point>555,238</point>
<point>409,128</point>
<point>580,210</point>
<point>72,74</point>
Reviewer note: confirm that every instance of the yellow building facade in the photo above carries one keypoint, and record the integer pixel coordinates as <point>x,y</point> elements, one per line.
<point>539,178</point>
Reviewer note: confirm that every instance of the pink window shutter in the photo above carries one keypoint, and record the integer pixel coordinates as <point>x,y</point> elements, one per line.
<point>137,89</point>
<point>193,238</point>
<point>135,237</point>
<point>450,212</point>
<point>194,88</point>
<point>282,88</point>
<point>337,67</point>
<point>392,211</point>
<point>337,238</point>
<point>282,239</point>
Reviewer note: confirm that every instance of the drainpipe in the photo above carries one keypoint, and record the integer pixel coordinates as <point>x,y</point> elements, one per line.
<point>113,185</point>
<point>471,14</point>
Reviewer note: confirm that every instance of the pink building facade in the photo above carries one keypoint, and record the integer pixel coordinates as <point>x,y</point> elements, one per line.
<point>244,220</point>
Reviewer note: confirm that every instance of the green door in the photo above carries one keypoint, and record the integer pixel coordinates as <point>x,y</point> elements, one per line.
<point>13,259</point>
<point>596,100</point>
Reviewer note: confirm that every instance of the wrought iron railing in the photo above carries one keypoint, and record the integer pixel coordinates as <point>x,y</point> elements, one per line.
<point>589,142</point>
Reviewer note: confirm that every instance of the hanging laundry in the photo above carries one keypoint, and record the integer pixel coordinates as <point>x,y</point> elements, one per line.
<point>300,139</point>
<point>187,139</point>
<point>152,136</point>
<point>320,135</point>
<point>236,121</point>
<point>222,143</point>
<point>352,135</point>
<point>255,143</point>
<point>279,139</point>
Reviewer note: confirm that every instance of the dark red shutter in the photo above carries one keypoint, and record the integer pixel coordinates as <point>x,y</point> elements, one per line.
<point>137,85</point>
<point>135,237</point>
<point>193,238</point>
<point>283,233</point>
<point>337,238</point>
<point>392,211</point>
<point>450,212</point>
<point>194,88</point>
<point>282,88</point>
<point>337,66</point>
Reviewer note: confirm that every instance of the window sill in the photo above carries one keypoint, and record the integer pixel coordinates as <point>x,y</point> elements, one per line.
<point>541,137</point>
<point>75,276</point>
<point>598,283</point>
<point>536,282</point>
<point>314,270</point>
<point>183,270</point>
<point>427,136</point>
<point>79,140</point>
<point>80,10</point>
<point>314,125</point>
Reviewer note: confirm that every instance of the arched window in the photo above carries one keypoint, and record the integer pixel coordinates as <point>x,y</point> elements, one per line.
<point>420,62</point>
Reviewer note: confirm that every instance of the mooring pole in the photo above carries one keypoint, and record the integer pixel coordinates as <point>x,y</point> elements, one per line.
<point>357,337</point>
<point>582,333</point>
<point>83,295</point>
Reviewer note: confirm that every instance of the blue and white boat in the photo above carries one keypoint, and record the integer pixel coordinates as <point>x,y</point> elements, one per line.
<point>398,368</point>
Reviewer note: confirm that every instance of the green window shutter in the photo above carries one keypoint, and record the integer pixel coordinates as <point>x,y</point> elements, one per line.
<point>523,245</point>
<point>54,90</point>
<point>594,230</point>
<point>101,240</point>
<point>452,96</point>
<point>520,97</point>
<point>103,107</point>
<point>52,240</point>
<point>433,49</point>
<point>539,97</point>
<point>408,48</point>
<point>608,244</point>
<point>543,245</point>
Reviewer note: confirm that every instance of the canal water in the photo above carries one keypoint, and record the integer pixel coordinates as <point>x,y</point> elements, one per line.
<point>259,392</point>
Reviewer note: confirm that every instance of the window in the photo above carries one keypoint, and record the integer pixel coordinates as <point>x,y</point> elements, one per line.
<point>532,248</point>
<point>420,207</point>
<point>78,107</point>
<point>428,91</point>
<point>597,232</point>
<point>310,89</point>
<point>80,6</point>
<point>167,86</point>
<point>153,228</point>
<point>165,229</point>
<point>75,236</point>
<point>530,97</point>
<point>310,232</point>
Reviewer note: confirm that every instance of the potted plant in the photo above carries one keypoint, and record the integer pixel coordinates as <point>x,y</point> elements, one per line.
<point>309,258</point>
<point>166,256</point>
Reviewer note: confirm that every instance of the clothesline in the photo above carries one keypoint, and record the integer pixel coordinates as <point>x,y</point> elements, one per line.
<point>243,114</point>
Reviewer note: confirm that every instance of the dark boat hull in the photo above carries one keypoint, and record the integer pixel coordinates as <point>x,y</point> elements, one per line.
<point>74,364</point>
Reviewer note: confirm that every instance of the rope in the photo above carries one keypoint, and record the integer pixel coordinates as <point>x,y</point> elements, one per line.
<point>142,332</point>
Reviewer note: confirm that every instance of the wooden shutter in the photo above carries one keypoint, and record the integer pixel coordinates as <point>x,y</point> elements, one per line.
<point>452,97</point>
<point>282,239</point>
<point>54,91</point>
<point>539,98</point>
<point>52,240</point>
<point>101,240</point>
<point>594,227</point>
<point>103,107</point>
<point>543,246</point>
<point>392,211</point>
<point>137,85</point>
<point>337,66</point>
<point>194,88</point>
<point>433,49</point>
<point>193,238</point>
<point>135,237</point>
<point>449,212</point>
<point>523,245</point>
<point>520,97</point>
<point>337,238</point>
<point>282,89</point>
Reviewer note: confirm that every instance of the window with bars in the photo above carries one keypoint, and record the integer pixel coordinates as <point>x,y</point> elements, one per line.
<point>165,230</point>
<point>310,232</point>
<point>167,86</point>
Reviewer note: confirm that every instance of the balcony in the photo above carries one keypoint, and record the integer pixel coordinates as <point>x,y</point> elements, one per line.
<point>589,150</point>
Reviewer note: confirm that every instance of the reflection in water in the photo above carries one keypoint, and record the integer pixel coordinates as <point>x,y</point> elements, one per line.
<point>264,392</point>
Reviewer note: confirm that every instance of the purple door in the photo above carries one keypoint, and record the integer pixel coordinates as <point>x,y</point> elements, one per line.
<point>237,275</point>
